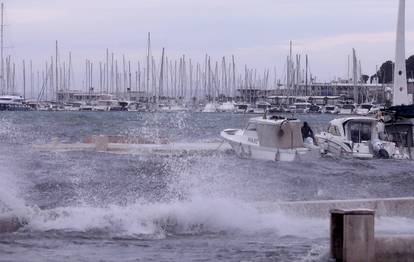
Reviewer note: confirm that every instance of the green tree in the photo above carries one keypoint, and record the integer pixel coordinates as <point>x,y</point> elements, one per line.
<point>385,73</point>
<point>410,67</point>
<point>364,79</point>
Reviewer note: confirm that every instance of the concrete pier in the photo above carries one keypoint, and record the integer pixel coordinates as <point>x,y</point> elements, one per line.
<point>101,144</point>
<point>391,207</point>
<point>394,248</point>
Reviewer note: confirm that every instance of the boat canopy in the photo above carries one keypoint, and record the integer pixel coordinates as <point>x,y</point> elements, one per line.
<point>280,133</point>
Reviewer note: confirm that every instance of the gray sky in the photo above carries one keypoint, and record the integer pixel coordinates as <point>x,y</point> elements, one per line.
<point>256,32</point>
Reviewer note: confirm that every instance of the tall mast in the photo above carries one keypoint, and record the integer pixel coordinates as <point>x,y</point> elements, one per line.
<point>2,49</point>
<point>400,96</point>
<point>306,76</point>
<point>107,71</point>
<point>24,80</point>
<point>69,70</point>
<point>160,92</point>
<point>148,65</point>
<point>57,76</point>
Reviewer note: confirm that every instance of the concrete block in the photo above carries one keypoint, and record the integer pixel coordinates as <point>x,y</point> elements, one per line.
<point>352,235</point>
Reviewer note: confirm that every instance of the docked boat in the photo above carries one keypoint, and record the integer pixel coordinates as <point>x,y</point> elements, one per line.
<point>13,103</point>
<point>301,107</point>
<point>210,108</point>
<point>268,138</point>
<point>363,109</point>
<point>171,107</point>
<point>241,108</point>
<point>314,109</point>
<point>330,109</point>
<point>346,109</point>
<point>357,137</point>
<point>401,132</point>
<point>226,107</point>
<point>261,107</point>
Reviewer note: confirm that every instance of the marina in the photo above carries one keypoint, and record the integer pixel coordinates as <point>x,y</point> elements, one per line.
<point>139,152</point>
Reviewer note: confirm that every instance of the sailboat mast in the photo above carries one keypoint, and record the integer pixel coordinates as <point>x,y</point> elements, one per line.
<point>160,91</point>
<point>24,80</point>
<point>57,75</point>
<point>2,49</point>
<point>148,65</point>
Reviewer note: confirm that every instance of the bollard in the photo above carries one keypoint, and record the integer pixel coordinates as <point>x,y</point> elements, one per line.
<point>101,143</point>
<point>352,235</point>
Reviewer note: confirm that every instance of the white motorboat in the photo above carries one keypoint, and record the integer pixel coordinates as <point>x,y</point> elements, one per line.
<point>356,137</point>
<point>301,107</point>
<point>363,109</point>
<point>226,107</point>
<point>210,108</point>
<point>330,109</point>
<point>346,109</point>
<point>268,138</point>
<point>172,107</point>
<point>261,107</point>
<point>241,108</point>
<point>12,103</point>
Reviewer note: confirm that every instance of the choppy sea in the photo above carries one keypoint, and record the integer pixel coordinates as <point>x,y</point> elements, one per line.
<point>94,206</point>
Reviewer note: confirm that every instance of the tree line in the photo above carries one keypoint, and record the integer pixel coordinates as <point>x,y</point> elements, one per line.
<point>385,74</point>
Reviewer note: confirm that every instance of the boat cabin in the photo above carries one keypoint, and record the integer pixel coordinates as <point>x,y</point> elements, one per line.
<point>275,132</point>
<point>402,134</point>
<point>355,129</point>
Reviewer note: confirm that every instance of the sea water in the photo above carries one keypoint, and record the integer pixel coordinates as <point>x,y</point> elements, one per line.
<point>95,206</point>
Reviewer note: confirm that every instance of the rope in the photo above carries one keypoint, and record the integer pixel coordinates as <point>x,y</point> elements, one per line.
<point>222,142</point>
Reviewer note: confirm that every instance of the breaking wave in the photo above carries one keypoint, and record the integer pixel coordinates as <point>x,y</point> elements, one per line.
<point>159,220</point>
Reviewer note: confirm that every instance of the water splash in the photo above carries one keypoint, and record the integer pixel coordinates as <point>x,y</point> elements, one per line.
<point>10,195</point>
<point>159,220</point>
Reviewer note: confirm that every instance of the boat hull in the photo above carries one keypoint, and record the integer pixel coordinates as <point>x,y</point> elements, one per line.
<point>249,148</point>
<point>338,147</point>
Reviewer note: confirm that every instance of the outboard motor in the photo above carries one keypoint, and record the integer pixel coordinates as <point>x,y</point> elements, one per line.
<point>379,150</point>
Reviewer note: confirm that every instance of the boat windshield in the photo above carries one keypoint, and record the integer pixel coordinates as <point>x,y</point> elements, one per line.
<point>330,108</point>
<point>359,131</point>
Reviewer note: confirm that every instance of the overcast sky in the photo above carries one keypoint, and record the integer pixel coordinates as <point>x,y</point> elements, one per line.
<point>256,32</point>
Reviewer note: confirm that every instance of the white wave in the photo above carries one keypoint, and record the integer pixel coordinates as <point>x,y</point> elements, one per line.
<point>10,196</point>
<point>189,217</point>
<point>394,225</point>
